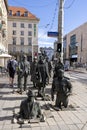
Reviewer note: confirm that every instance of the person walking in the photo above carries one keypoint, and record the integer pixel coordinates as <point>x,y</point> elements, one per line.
<point>11,67</point>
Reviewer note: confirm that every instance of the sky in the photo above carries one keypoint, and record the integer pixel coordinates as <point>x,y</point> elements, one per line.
<point>75,14</point>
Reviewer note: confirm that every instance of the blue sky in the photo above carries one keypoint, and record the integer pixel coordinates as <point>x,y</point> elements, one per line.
<point>75,14</point>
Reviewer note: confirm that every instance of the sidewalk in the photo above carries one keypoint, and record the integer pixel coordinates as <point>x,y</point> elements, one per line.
<point>72,118</point>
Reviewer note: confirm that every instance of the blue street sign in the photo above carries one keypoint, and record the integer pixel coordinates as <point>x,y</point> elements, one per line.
<point>52,34</point>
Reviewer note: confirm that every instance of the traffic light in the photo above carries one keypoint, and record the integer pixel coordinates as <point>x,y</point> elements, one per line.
<point>59,47</point>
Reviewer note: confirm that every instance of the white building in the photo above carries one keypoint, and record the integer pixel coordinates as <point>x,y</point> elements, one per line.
<point>3,30</point>
<point>22,32</point>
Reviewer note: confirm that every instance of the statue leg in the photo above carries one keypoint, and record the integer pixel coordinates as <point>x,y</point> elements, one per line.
<point>58,101</point>
<point>65,102</point>
<point>25,83</point>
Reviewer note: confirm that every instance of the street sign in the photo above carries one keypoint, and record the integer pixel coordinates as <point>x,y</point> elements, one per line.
<point>52,34</point>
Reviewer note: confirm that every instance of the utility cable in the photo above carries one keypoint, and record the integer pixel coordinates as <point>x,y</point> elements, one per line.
<point>70,5</point>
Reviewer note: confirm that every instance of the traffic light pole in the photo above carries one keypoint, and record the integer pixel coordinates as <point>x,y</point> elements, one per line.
<point>60,28</point>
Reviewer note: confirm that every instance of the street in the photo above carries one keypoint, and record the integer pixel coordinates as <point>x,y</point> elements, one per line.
<point>79,76</point>
<point>72,118</point>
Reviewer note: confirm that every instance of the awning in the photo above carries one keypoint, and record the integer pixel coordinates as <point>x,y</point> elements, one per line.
<point>5,56</point>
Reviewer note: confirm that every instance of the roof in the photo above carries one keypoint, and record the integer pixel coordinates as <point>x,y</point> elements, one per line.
<point>22,11</point>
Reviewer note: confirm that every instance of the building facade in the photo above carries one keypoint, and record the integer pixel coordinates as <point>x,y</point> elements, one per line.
<point>3,30</point>
<point>75,45</point>
<point>22,32</point>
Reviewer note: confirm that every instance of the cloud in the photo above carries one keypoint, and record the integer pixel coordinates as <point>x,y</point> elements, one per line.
<point>44,40</point>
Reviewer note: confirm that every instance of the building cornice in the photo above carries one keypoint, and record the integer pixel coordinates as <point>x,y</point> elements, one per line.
<point>22,18</point>
<point>6,4</point>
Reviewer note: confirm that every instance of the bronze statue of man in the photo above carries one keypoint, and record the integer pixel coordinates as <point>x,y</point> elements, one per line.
<point>58,65</point>
<point>33,71</point>
<point>29,109</point>
<point>63,88</point>
<point>23,72</point>
<point>42,74</point>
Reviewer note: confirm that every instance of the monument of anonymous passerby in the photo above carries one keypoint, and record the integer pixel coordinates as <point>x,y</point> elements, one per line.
<point>29,109</point>
<point>33,71</point>
<point>58,65</point>
<point>48,69</point>
<point>23,72</point>
<point>63,88</point>
<point>42,75</point>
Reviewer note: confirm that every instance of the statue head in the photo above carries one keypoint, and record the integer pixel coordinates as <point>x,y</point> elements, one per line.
<point>60,73</point>
<point>30,95</point>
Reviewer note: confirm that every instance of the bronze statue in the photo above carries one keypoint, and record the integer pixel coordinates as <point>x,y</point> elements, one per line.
<point>29,109</point>
<point>23,72</point>
<point>63,89</point>
<point>33,71</point>
<point>42,75</point>
<point>58,65</point>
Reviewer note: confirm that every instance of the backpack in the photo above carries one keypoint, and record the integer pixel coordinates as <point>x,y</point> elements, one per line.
<point>10,66</point>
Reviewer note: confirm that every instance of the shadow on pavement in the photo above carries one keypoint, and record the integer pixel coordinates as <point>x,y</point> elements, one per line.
<point>11,108</point>
<point>13,98</point>
<point>5,118</point>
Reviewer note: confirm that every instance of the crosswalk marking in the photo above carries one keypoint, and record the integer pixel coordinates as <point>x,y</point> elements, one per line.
<point>78,76</point>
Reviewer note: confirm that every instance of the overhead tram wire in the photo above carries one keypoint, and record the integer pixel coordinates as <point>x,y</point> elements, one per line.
<point>51,25</point>
<point>54,16</point>
<point>70,4</point>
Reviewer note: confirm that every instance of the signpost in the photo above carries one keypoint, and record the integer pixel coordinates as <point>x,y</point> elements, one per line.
<point>52,34</point>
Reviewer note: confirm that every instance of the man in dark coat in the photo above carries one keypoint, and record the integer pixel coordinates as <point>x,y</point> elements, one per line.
<point>23,72</point>
<point>29,109</point>
<point>58,65</point>
<point>42,75</point>
<point>33,71</point>
<point>63,88</point>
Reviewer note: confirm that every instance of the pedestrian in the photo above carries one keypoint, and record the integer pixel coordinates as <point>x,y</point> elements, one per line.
<point>11,67</point>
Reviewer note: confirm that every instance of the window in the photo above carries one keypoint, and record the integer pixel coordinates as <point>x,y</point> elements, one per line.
<point>14,49</point>
<point>73,40</point>
<point>29,25</point>
<point>14,40</point>
<point>29,41</point>
<point>22,41</point>
<point>22,25</point>
<point>34,30</point>
<point>10,12</point>
<point>14,32</point>
<point>29,33</point>
<point>26,14</point>
<point>22,32</point>
<point>18,13</point>
<point>14,24</point>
